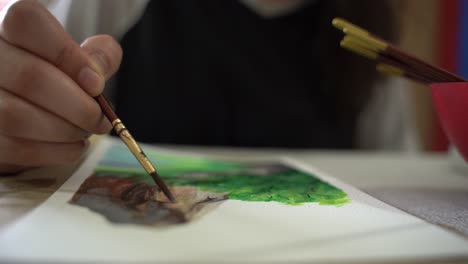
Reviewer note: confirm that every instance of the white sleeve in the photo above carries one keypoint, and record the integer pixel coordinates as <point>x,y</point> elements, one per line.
<point>387,123</point>
<point>85,18</point>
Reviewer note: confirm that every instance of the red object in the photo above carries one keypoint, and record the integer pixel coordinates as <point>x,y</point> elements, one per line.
<point>451,104</point>
<point>448,57</point>
<point>448,34</point>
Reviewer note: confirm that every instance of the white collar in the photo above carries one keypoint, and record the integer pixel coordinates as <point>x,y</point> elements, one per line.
<point>275,8</point>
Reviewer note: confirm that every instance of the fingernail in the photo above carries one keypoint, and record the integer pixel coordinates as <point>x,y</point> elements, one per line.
<point>100,61</point>
<point>90,81</point>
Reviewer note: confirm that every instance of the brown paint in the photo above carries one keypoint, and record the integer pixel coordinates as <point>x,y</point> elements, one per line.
<point>125,200</point>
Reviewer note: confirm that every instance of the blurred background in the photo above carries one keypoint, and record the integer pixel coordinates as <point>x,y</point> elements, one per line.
<point>434,30</point>
<point>437,31</point>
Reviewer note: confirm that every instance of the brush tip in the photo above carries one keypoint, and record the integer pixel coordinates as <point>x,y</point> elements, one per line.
<point>172,198</point>
<point>163,187</point>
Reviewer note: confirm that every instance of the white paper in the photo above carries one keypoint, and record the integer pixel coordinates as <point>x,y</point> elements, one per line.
<point>363,230</point>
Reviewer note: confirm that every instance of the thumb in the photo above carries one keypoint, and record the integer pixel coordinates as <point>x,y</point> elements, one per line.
<point>104,54</point>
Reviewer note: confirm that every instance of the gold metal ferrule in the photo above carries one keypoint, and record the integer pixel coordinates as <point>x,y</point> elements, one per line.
<point>116,121</point>
<point>118,126</point>
<point>132,145</point>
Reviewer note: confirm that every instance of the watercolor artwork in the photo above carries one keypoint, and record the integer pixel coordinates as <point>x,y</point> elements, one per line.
<point>120,190</point>
<point>228,210</point>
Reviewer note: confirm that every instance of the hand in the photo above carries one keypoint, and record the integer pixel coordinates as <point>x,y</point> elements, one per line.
<point>47,85</point>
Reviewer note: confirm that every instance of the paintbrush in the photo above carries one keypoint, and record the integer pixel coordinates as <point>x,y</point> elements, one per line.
<point>132,145</point>
<point>390,59</point>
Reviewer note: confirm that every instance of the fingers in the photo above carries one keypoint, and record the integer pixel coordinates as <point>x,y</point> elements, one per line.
<point>30,26</point>
<point>8,169</point>
<point>105,53</point>
<point>21,119</point>
<point>30,153</point>
<point>47,82</point>
<point>43,85</point>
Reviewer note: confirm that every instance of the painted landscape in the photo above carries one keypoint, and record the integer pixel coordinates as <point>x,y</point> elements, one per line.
<point>121,191</point>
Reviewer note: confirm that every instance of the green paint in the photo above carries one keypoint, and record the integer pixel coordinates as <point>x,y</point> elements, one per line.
<point>289,186</point>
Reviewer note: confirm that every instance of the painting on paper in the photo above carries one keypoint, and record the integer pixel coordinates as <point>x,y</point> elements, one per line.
<point>281,210</point>
<point>122,192</point>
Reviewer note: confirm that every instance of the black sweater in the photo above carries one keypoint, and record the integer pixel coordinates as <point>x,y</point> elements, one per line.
<point>212,72</point>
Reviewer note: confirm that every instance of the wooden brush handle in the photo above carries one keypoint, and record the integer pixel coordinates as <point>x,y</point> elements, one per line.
<point>106,108</point>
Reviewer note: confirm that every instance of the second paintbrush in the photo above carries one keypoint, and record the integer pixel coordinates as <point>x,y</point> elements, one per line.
<point>390,58</point>
<point>133,146</point>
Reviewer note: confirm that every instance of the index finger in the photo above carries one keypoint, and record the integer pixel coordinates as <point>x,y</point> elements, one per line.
<point>30,26</point>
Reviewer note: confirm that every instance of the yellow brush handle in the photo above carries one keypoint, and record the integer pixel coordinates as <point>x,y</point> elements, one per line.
<point>127,138</point>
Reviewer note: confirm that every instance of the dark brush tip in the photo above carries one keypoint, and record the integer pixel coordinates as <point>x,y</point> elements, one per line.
<point>163,187</point>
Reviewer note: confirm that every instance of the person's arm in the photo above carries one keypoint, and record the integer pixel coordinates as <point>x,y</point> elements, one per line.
<point>47,85</point>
